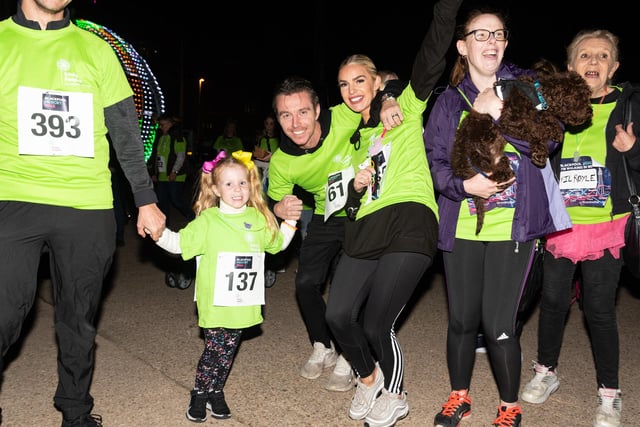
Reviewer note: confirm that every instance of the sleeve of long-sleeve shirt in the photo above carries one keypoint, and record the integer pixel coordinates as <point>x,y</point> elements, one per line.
<point>170,241</point>
<point>288,230</point>
<point>121,120</point>
<point>430,61</point>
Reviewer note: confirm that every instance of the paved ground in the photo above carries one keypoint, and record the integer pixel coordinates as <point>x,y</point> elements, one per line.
<point>149,343</point>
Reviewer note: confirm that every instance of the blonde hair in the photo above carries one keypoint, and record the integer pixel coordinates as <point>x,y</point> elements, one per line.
<point>363,60</point>
<point>207,198</point>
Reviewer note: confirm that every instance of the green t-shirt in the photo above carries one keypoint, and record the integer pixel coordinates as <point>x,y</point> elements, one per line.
<point>228,144</point>
<point>213,232</point>
<point>55,87</point>
<point>311,171</point>
<point>405,173</point>
<point>269,144</point>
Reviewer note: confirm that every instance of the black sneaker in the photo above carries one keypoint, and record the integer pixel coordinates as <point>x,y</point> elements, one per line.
<point>197,411</point>
<point>508,416</point>
<point>217,405</point>
<point>86,420</point>
<point>269,278</point>
<point>455,409</point>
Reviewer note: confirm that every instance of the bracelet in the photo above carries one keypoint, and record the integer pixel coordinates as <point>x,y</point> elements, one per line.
<point>289,225</point>
<point>387,97</point>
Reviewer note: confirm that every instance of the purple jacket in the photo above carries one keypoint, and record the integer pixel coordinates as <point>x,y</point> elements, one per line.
<point>539,207</point>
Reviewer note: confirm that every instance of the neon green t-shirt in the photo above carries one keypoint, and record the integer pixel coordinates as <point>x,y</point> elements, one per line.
<point>405,174</point>
<point>55,86</point>
<point>311,171</point>
<point>229,145</point>
<point>213,232</point>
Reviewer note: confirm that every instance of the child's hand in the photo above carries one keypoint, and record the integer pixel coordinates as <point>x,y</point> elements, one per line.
<point>290,207</point>
<point>363,179</point>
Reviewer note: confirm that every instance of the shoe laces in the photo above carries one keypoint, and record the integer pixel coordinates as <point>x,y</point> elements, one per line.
<point>507,416</point>
<point>342,368</point>
<point>609,400</point>
<point>456,398</point>
<point>319,353</point>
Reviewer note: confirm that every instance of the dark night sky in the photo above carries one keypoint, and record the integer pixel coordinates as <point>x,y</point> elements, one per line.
<point>242,51</point>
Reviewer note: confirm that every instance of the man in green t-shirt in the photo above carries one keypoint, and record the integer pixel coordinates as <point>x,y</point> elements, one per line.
<point>63,90</point>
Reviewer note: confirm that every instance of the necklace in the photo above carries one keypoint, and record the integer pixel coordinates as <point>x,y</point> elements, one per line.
<point>576,154</point>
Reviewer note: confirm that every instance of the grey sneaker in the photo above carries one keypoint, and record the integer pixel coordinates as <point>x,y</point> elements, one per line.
<point>541,386</point>
<point>387,410</point>
<point>321,358</point>
<point>365,397</point>
<point>609,412</point>
<point>341,379</point>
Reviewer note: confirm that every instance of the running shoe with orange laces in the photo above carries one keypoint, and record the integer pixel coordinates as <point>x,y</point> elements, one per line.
<point>508,416</point>
<point>455,409</point>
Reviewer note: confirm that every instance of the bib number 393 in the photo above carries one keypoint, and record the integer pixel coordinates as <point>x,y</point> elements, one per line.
<point>55,123</point>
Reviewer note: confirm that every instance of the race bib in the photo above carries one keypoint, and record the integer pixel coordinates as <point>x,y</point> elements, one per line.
<point>55,123</point>
<point>336,193</point>
<point>239,279</point>
<point>584,182</point>
<point>378,159</point>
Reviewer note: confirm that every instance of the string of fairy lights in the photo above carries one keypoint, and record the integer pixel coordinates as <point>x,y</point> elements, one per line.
<point>147,94</point>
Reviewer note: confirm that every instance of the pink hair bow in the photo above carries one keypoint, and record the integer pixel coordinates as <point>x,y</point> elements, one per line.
<point>208,166</point>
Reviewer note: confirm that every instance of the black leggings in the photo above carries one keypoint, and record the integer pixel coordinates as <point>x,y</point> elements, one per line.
<point>366,298</point>
<point>599,290</point>
<point>484,285</point>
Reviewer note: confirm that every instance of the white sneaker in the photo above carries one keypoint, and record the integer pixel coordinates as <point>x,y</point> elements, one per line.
<point>387,410</point>
<point>365,397</point>
<point>609,412</point>
<point>321,358</point>
<point>341,379</point>
<point>541,386</point>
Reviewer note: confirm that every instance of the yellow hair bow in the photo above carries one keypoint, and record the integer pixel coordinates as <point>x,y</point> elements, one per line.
<point>244,157</point>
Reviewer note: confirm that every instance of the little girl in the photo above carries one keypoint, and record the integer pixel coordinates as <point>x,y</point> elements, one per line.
<point>229,236</point>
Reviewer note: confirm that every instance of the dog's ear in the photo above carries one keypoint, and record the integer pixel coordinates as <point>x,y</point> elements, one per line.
<point>569,97</point>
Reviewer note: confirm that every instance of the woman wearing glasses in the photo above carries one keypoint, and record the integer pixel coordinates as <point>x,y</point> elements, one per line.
<point>485,273</point>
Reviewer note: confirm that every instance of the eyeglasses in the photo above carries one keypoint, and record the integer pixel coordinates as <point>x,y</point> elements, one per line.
<point>482,35</point>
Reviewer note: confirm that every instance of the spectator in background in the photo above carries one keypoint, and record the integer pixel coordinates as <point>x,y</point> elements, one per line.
<point>385,76</point>
<point>167,167</point>
<point>56,186</point>
<point>166,163</point>
<point>229,141</point>
<point>270,139</point>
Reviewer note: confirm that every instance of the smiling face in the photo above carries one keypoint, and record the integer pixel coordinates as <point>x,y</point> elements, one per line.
<point>357,86</point>
<point>359,83</point>
<point>298,118</point>
<point>483,57</point>
<point>595,60</point>
<point>232,185</point>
